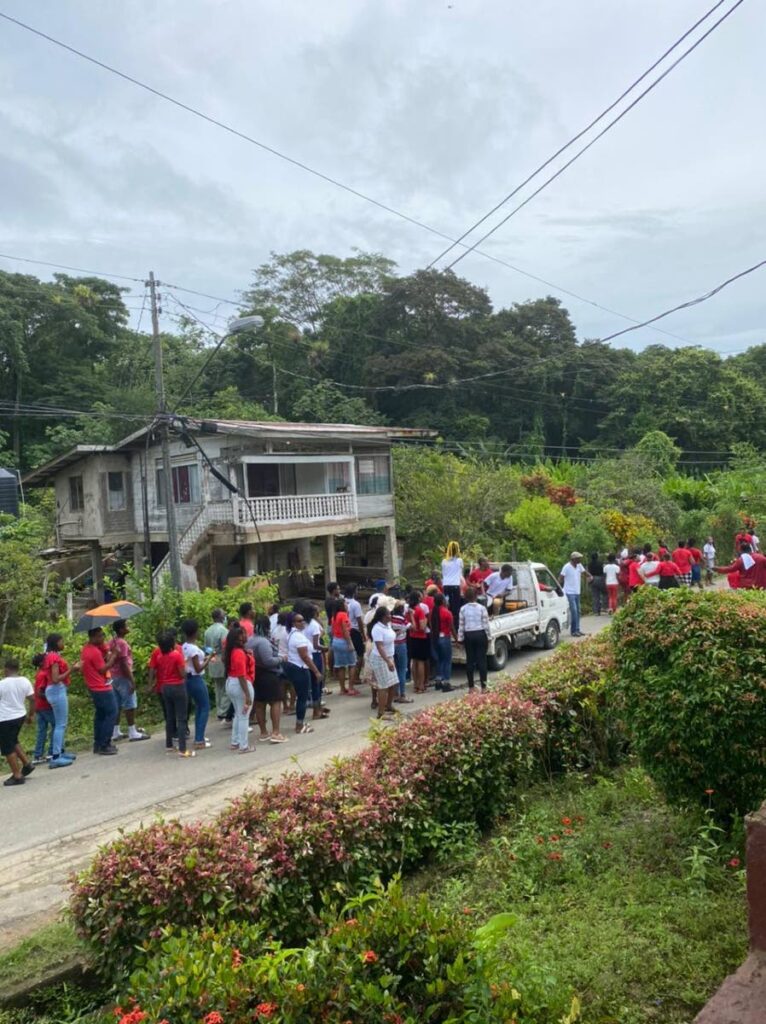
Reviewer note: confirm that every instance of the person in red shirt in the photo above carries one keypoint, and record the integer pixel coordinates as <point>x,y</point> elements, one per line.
<point>696,563</point>
<point>747,572</point>
<point>434,581</point>
<point>43,713</point>
<point>662,550</point>
<point>669,573</point>
<point>167,671</point>
<point>477,576</point>
<point>417,642</point>
<point>634,576</point>
<point>95,663</point>
<point>684,560</point>
<point>58,678</point>
<point>343,651</point>
<point>247,619</point>
<point>239,689</point>
<point>442,632</point>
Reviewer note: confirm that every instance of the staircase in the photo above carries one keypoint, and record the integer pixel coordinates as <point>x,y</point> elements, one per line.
<point>217,513</point>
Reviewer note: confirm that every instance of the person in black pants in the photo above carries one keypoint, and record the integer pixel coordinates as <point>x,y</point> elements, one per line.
<point>473,632</point>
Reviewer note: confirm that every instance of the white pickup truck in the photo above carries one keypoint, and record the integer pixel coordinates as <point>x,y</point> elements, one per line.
<point>539,612</point>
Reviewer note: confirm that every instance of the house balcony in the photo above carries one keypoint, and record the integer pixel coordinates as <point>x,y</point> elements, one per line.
<point>296,508</point>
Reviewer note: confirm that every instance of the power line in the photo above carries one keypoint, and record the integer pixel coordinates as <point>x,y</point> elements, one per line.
<point>579,135</point>
<point>691,302</point>
<point>63,266</point>
<point>600,135</point>
<point>309,170</point>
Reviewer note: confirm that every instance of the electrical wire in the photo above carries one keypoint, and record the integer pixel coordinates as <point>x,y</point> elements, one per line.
<point>310,170</point>
<point>579,135</point>
<point>598,136</point>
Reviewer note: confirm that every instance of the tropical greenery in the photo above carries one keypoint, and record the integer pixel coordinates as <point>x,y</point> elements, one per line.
<point>348,339</point>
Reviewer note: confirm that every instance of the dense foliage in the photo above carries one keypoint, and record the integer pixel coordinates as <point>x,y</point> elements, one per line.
<point>386,959</point>
<point>346,339</point>
<point>572,689</point>
<point>689,681</point>
<point>293,842</point>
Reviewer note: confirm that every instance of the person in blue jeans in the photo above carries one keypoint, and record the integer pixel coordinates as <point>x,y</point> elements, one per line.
<point>400,627</point>
<point>196,687</point>
<point>570,578</point>
<point>43,713</point>
<point>442,632</point>
<point>58,674</point>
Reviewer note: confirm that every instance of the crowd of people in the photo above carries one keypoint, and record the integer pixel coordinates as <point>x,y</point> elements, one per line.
<point>262,669</point>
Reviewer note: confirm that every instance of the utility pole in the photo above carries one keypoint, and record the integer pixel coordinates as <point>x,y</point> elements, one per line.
<point>162,417</point>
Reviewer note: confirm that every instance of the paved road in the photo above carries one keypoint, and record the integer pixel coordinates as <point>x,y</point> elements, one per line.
<point>53,825</point>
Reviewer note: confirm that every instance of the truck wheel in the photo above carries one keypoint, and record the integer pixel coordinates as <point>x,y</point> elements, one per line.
<point>551,636</point>
<point>499,659</point>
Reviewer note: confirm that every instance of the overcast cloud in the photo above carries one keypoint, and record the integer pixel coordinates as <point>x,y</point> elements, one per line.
<point>435,107</point>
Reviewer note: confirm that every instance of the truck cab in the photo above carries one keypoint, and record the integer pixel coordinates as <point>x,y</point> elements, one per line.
<point>533,613</point>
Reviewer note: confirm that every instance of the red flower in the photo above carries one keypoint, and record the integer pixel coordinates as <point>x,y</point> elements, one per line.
<point>734,862</point>
<point>540,839</point>
<point>352,922</point>
<point>236,959</point>
<point>709,792</point>
<point>566,821</point>
<point>607,846</point>
<point>467,910</point>
<point>265,1009</point>
<point>300,987</point>
<point>554,839</point>
<point>569,832</point>
<point>555,856</point>
<point>370,957</point>
<point>213,1017</point>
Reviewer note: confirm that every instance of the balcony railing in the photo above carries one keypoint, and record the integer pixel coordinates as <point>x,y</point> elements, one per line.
<point>291,508</point>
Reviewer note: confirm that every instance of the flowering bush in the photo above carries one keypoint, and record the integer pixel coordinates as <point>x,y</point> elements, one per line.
<point>690,681</point>
<point>277,853</point>
<point>385,960</point>
<point>582,729</point>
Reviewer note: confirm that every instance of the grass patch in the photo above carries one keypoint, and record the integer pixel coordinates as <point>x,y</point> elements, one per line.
<point>37,955</point>
<point>612,896</point>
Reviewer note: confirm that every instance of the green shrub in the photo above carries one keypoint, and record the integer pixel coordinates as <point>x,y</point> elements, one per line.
<point>690,681</point>
<point>386,960</point>
<point>292,842</point>
<point>582,729</point>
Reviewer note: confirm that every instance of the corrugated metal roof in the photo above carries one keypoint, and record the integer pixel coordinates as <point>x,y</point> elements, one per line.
<point>53,466</point>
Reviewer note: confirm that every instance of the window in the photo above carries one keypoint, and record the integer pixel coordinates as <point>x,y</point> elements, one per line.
<point>338,477</point>
<point>76,496</point>
<point>185,485</point>
<point>116,499</point>
<point>373,474</point>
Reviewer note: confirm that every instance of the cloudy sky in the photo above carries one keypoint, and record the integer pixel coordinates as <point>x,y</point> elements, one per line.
<point>435,107</point>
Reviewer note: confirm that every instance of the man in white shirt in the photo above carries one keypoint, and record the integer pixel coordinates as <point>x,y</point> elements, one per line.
<point>708,553</point>
<point>497,584</point>
<point>16,707</point>
<point>570,579</point>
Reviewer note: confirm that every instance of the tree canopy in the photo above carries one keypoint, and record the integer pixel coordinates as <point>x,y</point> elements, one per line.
<point>347,338</point>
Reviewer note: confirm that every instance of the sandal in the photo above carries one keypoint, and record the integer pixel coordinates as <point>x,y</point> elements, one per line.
<point>278,739</point>
<point>304,729</point>
<point>264,739</point>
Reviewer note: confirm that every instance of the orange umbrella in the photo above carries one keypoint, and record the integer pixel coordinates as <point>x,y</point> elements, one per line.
<point>106,614</point>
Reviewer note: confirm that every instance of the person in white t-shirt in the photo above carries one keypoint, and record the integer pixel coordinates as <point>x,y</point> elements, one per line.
<point>708,553</point>
<point>612,581</point>
<point>196,687</point>
<point>497,584</point>
<point>452,577</point>
<point>649,570</point>
<point>570,578</point>
<point>382,661</point>
<point>16,707</point>
<point>299,669</point>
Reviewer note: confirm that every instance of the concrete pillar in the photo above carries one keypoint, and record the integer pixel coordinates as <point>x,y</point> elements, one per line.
<point>328,557</point>
<point>391,553</point>
<point>756,878</point>
<point>251,559</point>
<point>138,555</point>
<point>97,568</point>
